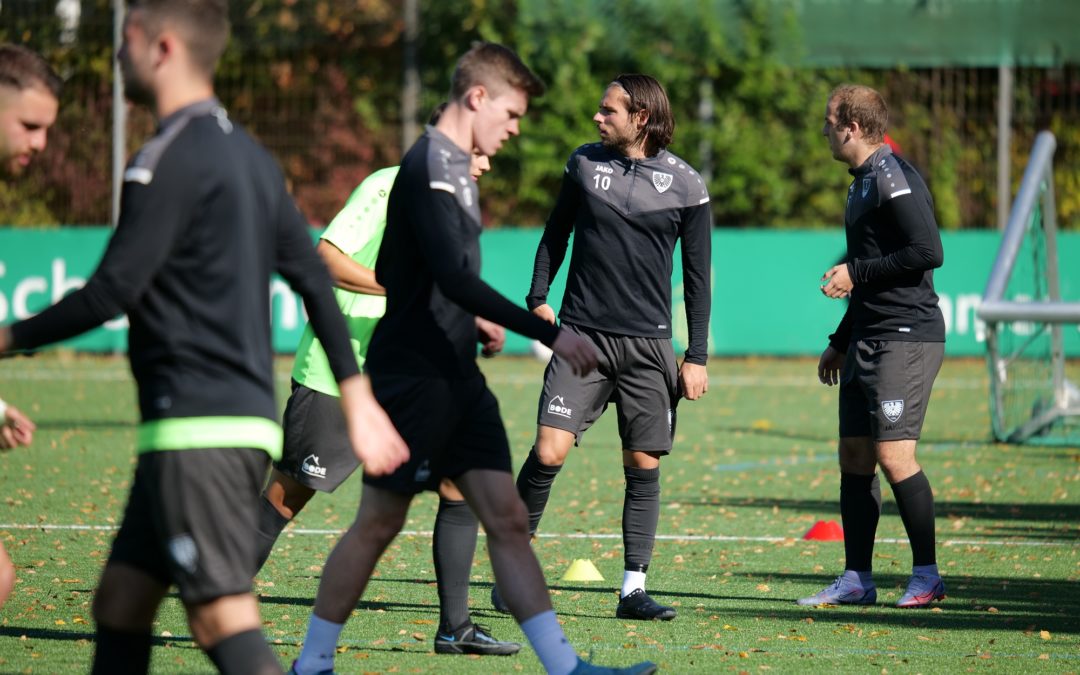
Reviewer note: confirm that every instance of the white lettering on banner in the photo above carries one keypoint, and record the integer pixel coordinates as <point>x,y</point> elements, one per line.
<point>289,318</point>
<point>24,301</point>
<point>61,284</point>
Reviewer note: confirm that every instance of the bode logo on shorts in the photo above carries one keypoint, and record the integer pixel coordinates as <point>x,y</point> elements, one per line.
<point>557,406</point>
<point>311,467</point>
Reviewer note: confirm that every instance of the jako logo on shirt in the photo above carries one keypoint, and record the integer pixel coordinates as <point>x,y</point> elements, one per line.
<point>311,467</point>
<point>892,409</point>
<point>557,406</point>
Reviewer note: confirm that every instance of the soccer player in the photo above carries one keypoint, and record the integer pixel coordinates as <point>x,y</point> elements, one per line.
<point>422,364</point>
<point>204,221</point>
<point>628,200</point>
<point>317,454</point>
<point>29,101</point>
<point>886,351</point>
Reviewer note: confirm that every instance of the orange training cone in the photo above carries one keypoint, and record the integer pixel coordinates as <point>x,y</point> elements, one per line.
<point>825,530</point>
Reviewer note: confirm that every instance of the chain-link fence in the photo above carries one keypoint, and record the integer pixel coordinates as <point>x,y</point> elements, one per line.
<point>319,83</point>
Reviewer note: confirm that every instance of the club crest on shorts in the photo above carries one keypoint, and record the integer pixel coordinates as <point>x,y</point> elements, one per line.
<point>423,473</point>
<point>184,553</point>
<point>662,181</point>
<point>892,409</point>
<point>311,467</point>
<point>557,406</point>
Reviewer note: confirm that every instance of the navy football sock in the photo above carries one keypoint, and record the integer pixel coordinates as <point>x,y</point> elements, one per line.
<point>915,501</point>
<point>534,485</point>
<point>860,510</point>
<point>453,548</point>
<point>271,523</point>
<point>641,513</point>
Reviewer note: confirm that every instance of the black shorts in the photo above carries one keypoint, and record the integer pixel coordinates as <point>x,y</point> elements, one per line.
<point>317,452</point>
<point>885,388</point>
<point>637,374</point>
<point>450,426</point>
<point>190,520</point>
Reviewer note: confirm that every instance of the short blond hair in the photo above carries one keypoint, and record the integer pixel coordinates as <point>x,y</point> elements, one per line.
<point>861,104</point>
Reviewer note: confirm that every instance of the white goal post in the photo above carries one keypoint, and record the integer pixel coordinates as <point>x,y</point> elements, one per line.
<point>1031,399</point>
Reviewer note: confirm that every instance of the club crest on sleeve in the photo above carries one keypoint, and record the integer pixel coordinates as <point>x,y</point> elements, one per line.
<point>662,181</point>
<point>892,409</point>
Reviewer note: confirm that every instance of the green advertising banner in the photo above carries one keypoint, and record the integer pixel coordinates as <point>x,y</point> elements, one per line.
<point>766,297</point>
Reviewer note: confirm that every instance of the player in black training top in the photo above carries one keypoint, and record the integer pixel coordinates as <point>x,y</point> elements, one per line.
<point>204,222</point>
<point>627,200</point>
<point>29,102</point>
<point>887,350</point>
<point>422,363</point>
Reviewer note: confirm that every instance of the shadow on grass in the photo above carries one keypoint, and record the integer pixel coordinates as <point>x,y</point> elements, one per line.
<point>973,603</point>
<point>75,636</point>
<point>73,425</point>
<point>1060,516</point>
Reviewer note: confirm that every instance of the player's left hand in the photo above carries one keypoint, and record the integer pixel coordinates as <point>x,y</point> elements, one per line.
<point>491,336</point>
<point>376,442</point>
<point>838,282</point>
<point>16,430</point>
<point>693,380</point>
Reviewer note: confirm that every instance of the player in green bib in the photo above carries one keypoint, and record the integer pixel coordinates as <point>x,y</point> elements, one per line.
<point>317,455</point>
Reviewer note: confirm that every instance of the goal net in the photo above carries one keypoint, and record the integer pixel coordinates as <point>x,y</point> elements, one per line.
<point>1033,393</point>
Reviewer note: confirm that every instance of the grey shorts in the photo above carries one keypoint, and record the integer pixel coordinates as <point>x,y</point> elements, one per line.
<point>189,519</point>
<point>317,452</point>
<point>885,388</point>
<point>637,374</point>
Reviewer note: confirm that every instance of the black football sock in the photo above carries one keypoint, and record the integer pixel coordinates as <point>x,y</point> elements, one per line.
<point>915,501</point>
<point>860,510</point>
<point>534,485</point>
<point>641,513</point>
<point>271,523</point>
<point>453,547</point>
<point>245,653</point>
<point>118,652</point>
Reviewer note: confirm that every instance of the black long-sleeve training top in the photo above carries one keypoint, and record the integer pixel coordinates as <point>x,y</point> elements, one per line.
<point>626,215</point>
<point>204,221</point>
<point>893,246</point>
<point>429,263</point>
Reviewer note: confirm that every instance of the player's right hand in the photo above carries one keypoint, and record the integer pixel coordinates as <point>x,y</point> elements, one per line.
<point>17,429</point>
<point>576,351</point>
<point>376,442</point>
<point>829,366</point>
<point>546,313</point>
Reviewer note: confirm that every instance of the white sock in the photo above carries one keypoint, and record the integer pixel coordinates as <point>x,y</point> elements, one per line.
<point>864,579</point>
<point>550,644</point>
<point>631,581</point>
<point>925,570</point>
<point>319,646</point>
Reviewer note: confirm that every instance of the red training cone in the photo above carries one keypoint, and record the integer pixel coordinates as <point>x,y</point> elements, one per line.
<point>825,530</point>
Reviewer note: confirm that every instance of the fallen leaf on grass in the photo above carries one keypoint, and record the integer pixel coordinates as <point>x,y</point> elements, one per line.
<point>1044,634</point>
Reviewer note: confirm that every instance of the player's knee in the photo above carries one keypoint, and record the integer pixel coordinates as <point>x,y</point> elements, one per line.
<point>380,527</point>
<point>507,522</point>
<point>293,501</point>
<point>7,577</point>
<point>857,456</point>
<point>121,610</point>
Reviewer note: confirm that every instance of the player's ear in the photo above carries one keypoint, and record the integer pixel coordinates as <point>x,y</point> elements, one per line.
<point>474,96</point>
<point>641,118</point>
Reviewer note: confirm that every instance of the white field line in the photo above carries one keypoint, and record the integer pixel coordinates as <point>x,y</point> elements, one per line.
<point>75,374</point>
<point>574,535</point>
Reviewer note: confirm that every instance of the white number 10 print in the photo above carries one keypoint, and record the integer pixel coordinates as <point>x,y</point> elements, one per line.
<point>602,182</point>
